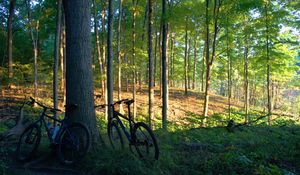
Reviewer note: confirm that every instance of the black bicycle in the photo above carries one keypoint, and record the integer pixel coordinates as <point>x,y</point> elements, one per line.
<point>71,140</point>
<point>140,135</point>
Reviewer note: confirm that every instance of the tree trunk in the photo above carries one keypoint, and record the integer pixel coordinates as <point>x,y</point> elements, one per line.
<point>10,39</point>
<point>195,62</point>
<point>109,75</point>
<point>203,68</point>
<point>189,64</point>
<point>34,39</point>
<point>209,62</point>
<point>151,66</point>
<point>79,79</point>
<point>185,59</point>
<point>63,58</point>
<point>99,56</point>
<point>133,57</point>
<point>56,55</point>
<point>165,92</point>
<point>246,81</point>
<point>119,54</point>
<point>103,51</point>
<point>229,70</point>
<point>268,67</point>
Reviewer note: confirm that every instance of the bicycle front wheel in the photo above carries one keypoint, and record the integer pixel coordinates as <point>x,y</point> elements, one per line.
<point>114,135</point>
<point>74,143</point>
<point>145,142</point>
<point>28,143</point>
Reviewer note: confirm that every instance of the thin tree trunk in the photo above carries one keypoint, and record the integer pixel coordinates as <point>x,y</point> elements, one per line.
<point>246,81</point>
<point>165,92</point>
<point>79,79</point>
<point>34,39</point>
<point>185,59</point>
<point>209,62</point>
<point>188,64</point>
<point>133,57</point>
<point>203,68</point>
<point>195,63</point>
<point>99,56</point>
<point>109,75</point>
<point>151,61</point>
<point>10,39</point>
<point>103,51</point>
<point>56,55</point>
<point>119,54</point>
<point>229,70</point>
<point>268,67</point>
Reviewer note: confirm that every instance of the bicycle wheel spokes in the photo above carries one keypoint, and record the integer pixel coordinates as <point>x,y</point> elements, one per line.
<point>74,143</point>
<point>145,142</point>
<point>28,143</point>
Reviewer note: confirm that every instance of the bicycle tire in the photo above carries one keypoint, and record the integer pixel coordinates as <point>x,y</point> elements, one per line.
<point>75,140</point>
<point>27,134</point>
<point>141,141</point>
<point>114,130</point>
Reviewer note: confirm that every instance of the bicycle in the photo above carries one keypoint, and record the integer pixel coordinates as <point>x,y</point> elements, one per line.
<point>139,135</point>
<point>71,140</point>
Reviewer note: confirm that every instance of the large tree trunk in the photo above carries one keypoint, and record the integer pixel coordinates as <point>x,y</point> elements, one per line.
<point>151,66</point>
<point>165,92</point>
<point>185,59</point>
<point>9,39</point>
<point>119,54</point>
<point>109,75</point>
<point>79,75</point>
<point>56,54</point>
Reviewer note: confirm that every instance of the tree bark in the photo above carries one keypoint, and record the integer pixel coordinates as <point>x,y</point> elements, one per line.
<point>185,59</point>
<point>246,81</point>
<point>133,57</point>
<point>109,75</point>
<point>79,75</point>
<point>99,56</point>
<point>151,62</point>
<point>268,66</point>
<point>103,51</point>
<point>56,55</point>
<point>119,54</point>
<point>12,4</point>
<point>195,63</point>
<point>165,92</point>
<point>209,62</point>
<point>34,39</point>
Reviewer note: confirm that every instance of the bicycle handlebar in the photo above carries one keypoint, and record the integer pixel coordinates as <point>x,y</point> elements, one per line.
<point>43,106</point>
<point>126,101</point>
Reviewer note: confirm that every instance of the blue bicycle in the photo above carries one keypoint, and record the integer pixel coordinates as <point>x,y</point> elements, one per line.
<point>71,140</point>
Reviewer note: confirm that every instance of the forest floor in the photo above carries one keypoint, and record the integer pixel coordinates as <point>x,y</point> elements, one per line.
<point>185,148</point>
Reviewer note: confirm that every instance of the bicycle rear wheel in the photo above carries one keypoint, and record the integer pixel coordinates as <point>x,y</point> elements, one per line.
<point>114,135</point>
<point>145,142</point>
<point>28,143</point>
<point>74,143</point>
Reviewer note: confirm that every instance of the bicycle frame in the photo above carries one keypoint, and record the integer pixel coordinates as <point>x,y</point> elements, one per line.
<point>117,115</point>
